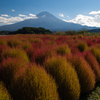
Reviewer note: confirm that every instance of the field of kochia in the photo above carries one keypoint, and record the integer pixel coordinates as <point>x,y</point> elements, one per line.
<point>48,67</point>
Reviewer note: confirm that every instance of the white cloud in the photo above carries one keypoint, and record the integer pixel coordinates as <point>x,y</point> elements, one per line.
<point>5,15</point>
<point>22,15</point>
<point>94,13</point>
<point>32,15</point>
<point>93,21</point>
<point>13,10</point>
<point>11,20</point>
<point>61,15</point>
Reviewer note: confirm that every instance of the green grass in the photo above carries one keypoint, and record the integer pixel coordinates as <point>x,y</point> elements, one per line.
<point>94,95</point>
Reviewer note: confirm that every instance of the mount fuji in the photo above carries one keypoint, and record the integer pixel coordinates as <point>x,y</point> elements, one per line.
<point>47,21</point>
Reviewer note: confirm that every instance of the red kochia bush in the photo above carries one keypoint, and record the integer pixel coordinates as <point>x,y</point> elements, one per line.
<point>93,63</point>
<point>40,55</point>
<point>9,67</point>
<point>85,73</point>
<point>33,84</point>
<point>65,76</point>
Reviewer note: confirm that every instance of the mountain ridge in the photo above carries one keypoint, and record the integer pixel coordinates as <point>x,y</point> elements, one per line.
<point>47,21</point>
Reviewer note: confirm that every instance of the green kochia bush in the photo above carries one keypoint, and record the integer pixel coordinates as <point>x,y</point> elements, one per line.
<point>85,73</point>
<point>4,95</point>
<point>65,76</point>
<point>93,63</point>
<point>13,43</point>
<point>15,53</point>
<point>96,53</point>
<point>63,49</point>
<point>34,84</point>
<point>82,46</point>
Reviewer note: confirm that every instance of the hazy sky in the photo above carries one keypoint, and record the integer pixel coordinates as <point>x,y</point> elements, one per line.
<point>84,12</point>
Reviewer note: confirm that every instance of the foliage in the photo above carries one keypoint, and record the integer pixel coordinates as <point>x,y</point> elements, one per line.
<point>93,63</point>
<point>65,76</point>
<point>15,53</point>
<point>34,84</point>
<point>82,46</point>
<point>32,30</point>
<point>96,53</point>
<point>4,95</point>
<point>63,49</point>
<point>9,67</point>
<point>84,71</point>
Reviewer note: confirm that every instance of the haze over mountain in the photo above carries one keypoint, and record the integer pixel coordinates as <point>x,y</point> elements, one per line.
<point>45,20</point>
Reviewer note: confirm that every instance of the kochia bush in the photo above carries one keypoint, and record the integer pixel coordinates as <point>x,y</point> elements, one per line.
<point>65,76</point>
<point>34,84</point>
<point>96,53</point>
<point>85,73</point>
<point>93,63</point>
<point>9,67</point>
<point>82,46</point>
<point>4,95</point>
<point>63,49</point>
<point>15,53</point>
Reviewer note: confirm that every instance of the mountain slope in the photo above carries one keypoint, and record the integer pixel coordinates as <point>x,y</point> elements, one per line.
<point>45,20</point>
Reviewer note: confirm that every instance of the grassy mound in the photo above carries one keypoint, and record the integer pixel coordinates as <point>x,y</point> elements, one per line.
<point>85,73</point>
<point>63,49</point>
<point>15,53</point>
<point>96,53</point>
<point>4,95</point>
<point>65,76</point>
<point>82,46</point>
<point>93,63</point>
<point>34,84</point>
<point>9,67</point>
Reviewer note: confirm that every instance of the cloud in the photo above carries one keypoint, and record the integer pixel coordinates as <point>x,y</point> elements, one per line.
<point>5,15</point>
<point>94,13</point>
<point>13,10</point>
<point>32,15</point>
<point>4,19</point>
<point>22,15</point>
<point>93,21</point>
<point>61,15</point>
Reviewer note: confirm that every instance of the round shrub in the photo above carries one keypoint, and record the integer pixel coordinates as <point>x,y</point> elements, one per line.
<point>65,76</point>
<point>4,95</point>
<point>40,55</point>
<point>26,45</point>
<point>30,52</point>
<point>63,49</point>
<point>9,67</point>
<point>93,63</point>
<point>13,43</point>
<point>15,53</point>
<point>96,53</point>
<point>80,36</point>
<point>3,42</point>
<point>82,46</point>
<point>84,71</point>
<point>34,84</point>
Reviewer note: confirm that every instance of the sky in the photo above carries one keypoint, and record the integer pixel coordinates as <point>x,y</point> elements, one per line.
<point>84,12</point>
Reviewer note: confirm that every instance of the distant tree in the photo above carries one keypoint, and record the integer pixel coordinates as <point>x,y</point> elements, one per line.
<point>70,32</point>
<point>32,30</point>
<point>83,31</point>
